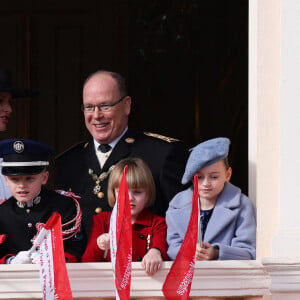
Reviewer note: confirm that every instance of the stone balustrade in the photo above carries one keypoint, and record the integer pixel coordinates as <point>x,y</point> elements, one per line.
<point>216,279</point>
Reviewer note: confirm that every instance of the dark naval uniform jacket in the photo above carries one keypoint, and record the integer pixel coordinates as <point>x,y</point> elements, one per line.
<point>165,157</point>
<point>19,223</point>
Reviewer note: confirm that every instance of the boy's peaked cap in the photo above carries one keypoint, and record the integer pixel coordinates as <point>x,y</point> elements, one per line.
<point>24,156</point>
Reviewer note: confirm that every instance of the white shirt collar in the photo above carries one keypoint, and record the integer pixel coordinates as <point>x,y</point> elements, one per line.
<point>113,143</point>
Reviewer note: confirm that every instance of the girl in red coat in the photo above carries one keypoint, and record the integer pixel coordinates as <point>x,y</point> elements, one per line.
<point>148,230</point>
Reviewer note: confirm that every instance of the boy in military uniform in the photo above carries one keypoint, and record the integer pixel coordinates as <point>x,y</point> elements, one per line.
<point>31,205</point>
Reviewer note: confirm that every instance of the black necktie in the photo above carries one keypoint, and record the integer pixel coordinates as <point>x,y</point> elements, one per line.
<point>104,148</point>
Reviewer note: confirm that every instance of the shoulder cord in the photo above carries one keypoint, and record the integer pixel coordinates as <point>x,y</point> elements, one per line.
<point>68,233</point>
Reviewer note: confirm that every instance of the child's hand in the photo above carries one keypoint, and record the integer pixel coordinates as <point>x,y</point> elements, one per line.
<point>152,261</point>
<point>208,252</point>
<point>103,241</point>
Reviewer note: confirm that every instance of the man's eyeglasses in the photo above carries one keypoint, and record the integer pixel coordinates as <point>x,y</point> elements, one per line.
<point>102,107</point>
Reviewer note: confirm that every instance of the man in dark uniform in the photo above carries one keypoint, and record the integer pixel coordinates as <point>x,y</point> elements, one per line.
<point>23,215</point>
<point>85,167</point>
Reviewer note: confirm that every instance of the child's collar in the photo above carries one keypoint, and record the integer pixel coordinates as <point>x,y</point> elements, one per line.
<point>36,200</point>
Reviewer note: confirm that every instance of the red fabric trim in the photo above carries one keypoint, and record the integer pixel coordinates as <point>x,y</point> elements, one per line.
<point>70,258</point>
<point>2,260</point>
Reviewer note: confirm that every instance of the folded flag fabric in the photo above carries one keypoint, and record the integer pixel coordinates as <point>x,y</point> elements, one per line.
<point>178,282</point>
<point>2,238</point>
<point>53,272</point>
<point>121,241</point>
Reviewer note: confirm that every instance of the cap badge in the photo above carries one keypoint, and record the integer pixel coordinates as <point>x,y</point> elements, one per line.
<point>129,140</point>
<point>18,146</point>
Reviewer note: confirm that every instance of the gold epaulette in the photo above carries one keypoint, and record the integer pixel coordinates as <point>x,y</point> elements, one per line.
<point>161,137</point>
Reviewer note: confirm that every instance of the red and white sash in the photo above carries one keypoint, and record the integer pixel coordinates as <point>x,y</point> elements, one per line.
<point>178,282</point>
<point>121,241</point>
<point>53,272</point>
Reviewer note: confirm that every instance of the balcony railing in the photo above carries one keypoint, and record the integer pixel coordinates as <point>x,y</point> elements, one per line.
<point>221,279</point>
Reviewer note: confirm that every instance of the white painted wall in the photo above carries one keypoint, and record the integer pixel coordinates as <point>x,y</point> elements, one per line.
<point>264,125</point>
<point>274,124</point>
<point>287,241</point>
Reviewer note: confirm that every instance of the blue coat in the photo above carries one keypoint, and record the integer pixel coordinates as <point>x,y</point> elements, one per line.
<point>232,226</point>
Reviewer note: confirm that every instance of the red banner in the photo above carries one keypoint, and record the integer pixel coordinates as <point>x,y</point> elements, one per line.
<point>178,282</point>
<point>2,238</point>
<point>53,272</point>
<point>121,241</point>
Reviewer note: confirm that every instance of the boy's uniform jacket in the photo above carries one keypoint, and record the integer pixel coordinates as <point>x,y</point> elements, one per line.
<point>19,223</point>
<point>232,226</point>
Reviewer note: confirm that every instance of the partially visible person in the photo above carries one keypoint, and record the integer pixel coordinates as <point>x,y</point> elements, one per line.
<point>149,243</point>
<point>85,167</point>
<point>227,219</point>
<point>7,92</point>
<point>5,110</point>
<point>31,205</point>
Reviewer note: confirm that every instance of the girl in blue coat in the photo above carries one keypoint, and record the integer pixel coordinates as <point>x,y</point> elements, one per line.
<point>228,224</point>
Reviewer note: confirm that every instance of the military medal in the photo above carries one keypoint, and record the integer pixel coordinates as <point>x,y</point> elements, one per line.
<point>98,181</point>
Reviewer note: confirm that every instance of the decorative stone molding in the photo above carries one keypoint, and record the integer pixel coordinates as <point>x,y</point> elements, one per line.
<point>285,274</point>
<point>95,280</point>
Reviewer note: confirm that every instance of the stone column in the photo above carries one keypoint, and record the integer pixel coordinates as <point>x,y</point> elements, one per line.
<point>286,242</point>
<point>275,147</point>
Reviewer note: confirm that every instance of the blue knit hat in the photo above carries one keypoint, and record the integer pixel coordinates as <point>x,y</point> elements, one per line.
<point>205,154</point>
